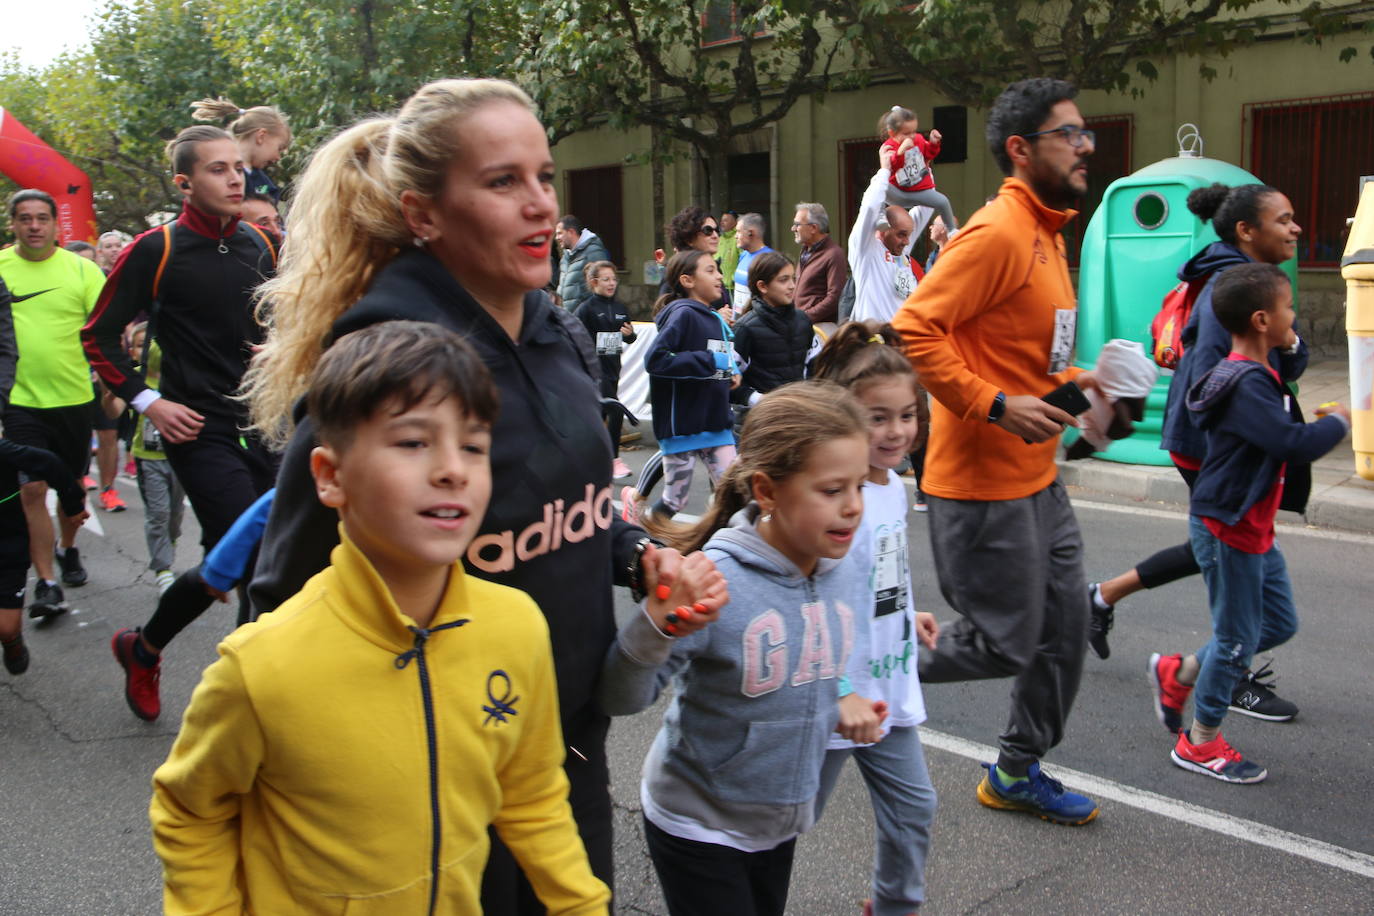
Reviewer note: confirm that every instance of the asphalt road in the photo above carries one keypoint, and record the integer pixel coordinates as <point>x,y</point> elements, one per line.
<point>75,764</point>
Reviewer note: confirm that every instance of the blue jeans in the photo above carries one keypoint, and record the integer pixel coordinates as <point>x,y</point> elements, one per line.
<point>903,807</point>
<point>1252,611</point>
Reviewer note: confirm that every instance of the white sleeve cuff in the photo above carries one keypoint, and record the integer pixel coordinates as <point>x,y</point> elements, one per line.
<point>144,399</point>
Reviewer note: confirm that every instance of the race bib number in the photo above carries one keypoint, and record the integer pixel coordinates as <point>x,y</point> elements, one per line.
<point>891,571</point>
<point>719,346</point>
<point>152,437</point>
<point>903,280</point>
<point>913,168</point>
<point>609,343</point>
<point>1061,347</point>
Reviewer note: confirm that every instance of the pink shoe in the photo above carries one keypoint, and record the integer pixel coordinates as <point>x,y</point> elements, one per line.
<point>629,505</point>
<point>620,470</point>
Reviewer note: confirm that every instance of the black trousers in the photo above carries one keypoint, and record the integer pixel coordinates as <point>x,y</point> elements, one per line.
<point>705,879</point>
<point>504,888</point>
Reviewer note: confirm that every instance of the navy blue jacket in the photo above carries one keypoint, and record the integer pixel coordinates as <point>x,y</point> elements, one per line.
<point>1206,343</point>
<point>1250,435</point>
<point>685,386</point>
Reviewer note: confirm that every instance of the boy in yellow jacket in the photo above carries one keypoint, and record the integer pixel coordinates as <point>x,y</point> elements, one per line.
<point>347,752</point>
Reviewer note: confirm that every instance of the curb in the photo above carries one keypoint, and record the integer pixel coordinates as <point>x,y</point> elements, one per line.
<point>1345,505</point>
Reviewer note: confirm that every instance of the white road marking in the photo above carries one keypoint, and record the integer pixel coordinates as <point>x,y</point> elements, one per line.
<point>1288,529</point>
<point>1229,825</point>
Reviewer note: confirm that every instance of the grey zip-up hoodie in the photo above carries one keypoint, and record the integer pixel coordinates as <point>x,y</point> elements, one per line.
<point>742,742</point>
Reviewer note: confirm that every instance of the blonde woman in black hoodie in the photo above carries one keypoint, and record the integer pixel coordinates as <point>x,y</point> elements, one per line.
<point>445,212</point>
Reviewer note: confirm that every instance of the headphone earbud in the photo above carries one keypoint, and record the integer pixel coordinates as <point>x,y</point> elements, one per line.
<point>186,185</point>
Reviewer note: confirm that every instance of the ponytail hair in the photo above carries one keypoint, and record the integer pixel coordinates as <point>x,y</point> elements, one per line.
<point>894,118</point>
<point>346,225</point>
<point>183,150</point>
<point>777,439</point>
<point>242,123</point>
<point>681,263</point>
<point>862,352</point>
<point>1226,206</point>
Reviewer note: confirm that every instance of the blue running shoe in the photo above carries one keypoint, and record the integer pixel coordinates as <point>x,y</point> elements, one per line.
<point>1039,794</point>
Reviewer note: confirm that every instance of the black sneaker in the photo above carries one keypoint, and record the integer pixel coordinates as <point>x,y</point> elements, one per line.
<point>47,601</point>
<point>16,656</point>
<point>1100,625</point>
<point>73,573</point>
<point>1255,697</point>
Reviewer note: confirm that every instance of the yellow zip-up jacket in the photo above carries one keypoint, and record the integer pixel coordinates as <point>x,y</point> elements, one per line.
<point>333,759</point>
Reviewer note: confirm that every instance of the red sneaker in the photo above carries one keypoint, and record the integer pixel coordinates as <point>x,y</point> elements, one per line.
<point>140,681</point>
<point>1170,695</point>
<point>110,501</point>
<point>89,483</point>
<point>1217,759</point>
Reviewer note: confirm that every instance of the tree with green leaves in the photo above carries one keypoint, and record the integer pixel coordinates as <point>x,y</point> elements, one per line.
<point>701,72</point>
<point>970,49</point>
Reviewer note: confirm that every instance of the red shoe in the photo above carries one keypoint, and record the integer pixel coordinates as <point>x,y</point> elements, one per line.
<point>89,484</point>
<point>140,681</point>
<point>1217,759</point>
<point>1170,695</point>
<point>110,501</point>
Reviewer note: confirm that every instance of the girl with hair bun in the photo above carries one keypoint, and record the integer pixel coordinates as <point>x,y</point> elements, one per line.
<point>261,133</point>
<point>1254,224</point>
<point>866,358</point>
<point>444,212</point>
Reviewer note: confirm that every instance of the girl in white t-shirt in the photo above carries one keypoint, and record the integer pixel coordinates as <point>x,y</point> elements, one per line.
<point>866,358</point>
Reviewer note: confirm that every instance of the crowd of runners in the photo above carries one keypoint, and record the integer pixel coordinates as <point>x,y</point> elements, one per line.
<point>393,413</point>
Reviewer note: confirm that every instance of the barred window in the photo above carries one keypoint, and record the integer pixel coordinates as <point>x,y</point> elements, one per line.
<point>1314,150</point>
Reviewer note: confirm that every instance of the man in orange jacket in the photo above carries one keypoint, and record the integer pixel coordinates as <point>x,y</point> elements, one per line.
<point>990,333</point>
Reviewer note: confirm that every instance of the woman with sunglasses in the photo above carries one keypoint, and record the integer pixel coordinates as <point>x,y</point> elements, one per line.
<point>693,229</point>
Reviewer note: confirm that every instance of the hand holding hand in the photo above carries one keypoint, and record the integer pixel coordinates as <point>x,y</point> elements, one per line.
<point>693,599</point>
<point>927,629</point>
<point>861,719</point>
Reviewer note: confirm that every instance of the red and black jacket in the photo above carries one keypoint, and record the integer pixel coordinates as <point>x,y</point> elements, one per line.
<point>204,322</point>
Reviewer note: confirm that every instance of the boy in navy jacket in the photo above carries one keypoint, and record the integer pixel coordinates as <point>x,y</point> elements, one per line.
<point>1243,408</point>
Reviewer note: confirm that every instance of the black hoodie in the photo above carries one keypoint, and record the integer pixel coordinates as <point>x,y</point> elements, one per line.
<point>772,343</point>
<point>550,529</point>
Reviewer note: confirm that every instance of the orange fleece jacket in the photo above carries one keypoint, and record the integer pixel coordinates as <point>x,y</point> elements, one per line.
<point>981,322</point>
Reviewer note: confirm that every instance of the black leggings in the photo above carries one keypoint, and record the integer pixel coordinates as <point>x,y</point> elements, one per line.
<point>1171,563</point>
<point>184,601</point>
<point>704,879</point>
<point>615,419</point>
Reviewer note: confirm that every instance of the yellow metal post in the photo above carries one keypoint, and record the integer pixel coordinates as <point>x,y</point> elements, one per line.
<point>1357,267</point>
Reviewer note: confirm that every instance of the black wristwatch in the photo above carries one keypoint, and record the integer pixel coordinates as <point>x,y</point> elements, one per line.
<point>999,407</point>
<point>636,568</point>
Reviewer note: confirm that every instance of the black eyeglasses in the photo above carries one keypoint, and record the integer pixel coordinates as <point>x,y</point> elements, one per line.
<point>1072,133</point>
<point>710,230</point>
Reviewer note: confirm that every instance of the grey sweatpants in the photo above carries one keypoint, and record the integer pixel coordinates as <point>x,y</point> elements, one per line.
<point>1014,570</point>
<point>930,197</point>
<point>164,503</point>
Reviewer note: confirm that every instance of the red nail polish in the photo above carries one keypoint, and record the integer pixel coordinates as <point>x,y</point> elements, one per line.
<point>699,608</point>
<point>662,592</point>
<point>684,613</point>
<point>672,630</point>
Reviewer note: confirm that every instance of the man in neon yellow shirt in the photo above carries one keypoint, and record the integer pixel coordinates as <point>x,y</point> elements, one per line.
<point>52,292</point>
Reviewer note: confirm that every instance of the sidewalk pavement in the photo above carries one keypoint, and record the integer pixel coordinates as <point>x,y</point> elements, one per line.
<point>1340,498</point>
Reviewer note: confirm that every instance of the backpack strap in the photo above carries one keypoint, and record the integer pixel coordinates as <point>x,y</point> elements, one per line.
<point>262,236</point>
<point>156,305</point>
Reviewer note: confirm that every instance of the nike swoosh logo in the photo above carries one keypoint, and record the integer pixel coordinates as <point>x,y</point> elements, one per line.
<point>14,297</point>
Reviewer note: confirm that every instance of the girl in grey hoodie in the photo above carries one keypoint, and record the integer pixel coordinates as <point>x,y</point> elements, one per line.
<point>732,777</point>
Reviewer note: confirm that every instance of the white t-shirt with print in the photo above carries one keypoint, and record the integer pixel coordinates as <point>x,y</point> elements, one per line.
<point>883,666</point>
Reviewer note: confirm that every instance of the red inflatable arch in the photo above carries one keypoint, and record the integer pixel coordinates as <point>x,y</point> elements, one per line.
<point>31,163</point>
